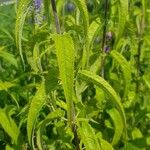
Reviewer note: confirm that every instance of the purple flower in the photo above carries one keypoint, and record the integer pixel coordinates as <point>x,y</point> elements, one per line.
<point>106,49</point>
<point>38,4</point>
<point>38,15</point>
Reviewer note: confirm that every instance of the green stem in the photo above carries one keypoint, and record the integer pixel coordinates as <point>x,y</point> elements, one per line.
<point>71,110</point>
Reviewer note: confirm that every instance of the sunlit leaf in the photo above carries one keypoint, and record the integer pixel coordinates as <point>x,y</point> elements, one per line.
<point>65,56</point>
<point>35,106</point>
<point>9,125</point>
<point>22,11</point>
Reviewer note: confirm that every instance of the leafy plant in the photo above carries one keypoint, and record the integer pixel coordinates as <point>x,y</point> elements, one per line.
<point>74,74</point>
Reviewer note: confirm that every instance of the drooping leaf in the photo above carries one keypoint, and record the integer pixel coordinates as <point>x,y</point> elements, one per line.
<point>35,106</point>
<point>53,115</point>
<point>115,116</point>
<point>125,66</point>
<point>81,4</point>
<point>9,125</point>
<point>88,137</point>
<point>65,56</point>
<point>22,11</point>
<point>100,82</point>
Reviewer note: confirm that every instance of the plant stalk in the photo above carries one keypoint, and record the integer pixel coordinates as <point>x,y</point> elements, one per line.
<point>71,109</point>
<point>104,38</point>
<point>139,49</point>
<point>57,24</point>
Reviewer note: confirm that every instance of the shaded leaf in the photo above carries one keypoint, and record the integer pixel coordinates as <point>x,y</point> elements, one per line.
<point>100,82</point>
<point>125,66</point>
<point>115,116</point>
<point>65,57</point>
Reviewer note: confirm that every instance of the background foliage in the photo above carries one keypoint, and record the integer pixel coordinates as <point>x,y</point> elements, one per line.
<point>75,74</point>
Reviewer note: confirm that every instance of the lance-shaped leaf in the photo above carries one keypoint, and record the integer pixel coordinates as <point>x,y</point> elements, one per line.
<point>123,14</point>
<point>35,106</point>
<point>93,30</point>
<point>100,82</point>
<point>125,66</point>
<point>22,11</point>
<point>115,116</point>
<point>65,56</point>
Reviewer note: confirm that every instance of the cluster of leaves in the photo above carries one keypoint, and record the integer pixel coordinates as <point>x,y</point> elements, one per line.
<point>75,74</point>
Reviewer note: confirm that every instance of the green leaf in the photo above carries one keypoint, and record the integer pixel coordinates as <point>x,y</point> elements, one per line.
<point>6,85</point>
<point>115,116</point>
<point>53,115</point>
<point>125,66</point>
<point>100,82</point>
<point>9,148</point>
<point>8,124</point>
<point>22,11</point>
<point>35,106</point>
<point>51,79</point>
<point>93,30</point>
<point>146,80</point>
<point>81,4</point>
<point>88,137</point>
<point>123,16</point>
<point>65,56</point>
<point>105,145</point>
<point>8,56</point>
